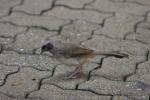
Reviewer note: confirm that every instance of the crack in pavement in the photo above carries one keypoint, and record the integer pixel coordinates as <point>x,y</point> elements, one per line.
<point>136,67</point>
<point>9,74</point>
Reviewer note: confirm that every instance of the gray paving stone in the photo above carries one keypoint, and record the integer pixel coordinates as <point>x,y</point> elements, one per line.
<point>5,6</point>
<point>144,67</point>
<point>104,86</point>
<point>24,81</point>
<point>144,2</point>
<point>49,22</point>
<point>148,17</point>
<point>48,92</point>
<point>143,25</point>
<point>72,3</point>
<point>146,97</point>
<point>141,35</point>
<point>5,97</point>
<point>119,25</point>
<point>116,69</point>
<point>131,98</point>
<point>40,62</point>
<point>91,16</point>
<point>132,36</point>
<point>5,70</point>
<point>117,0</point>
<point>0,47</point>
<point>34,6</point>
<point>107,44</point>
<point>143,73</point>
<point>33,39</point>
<point>78,31</point>
<point>120,7</point>
<point>59,78</point>
<point>121,98</point>
<point>13,30</point>
<point>6,40</point>
<point>141,77</point>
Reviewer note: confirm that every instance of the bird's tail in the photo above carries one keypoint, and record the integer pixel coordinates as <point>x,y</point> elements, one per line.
<point>111,53</point>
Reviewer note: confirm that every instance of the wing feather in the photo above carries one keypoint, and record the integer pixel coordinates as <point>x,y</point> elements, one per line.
<point>77,51</point>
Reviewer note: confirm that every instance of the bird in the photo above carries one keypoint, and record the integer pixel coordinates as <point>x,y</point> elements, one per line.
<point>76,55</point>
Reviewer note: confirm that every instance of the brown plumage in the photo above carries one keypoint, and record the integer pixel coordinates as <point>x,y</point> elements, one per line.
<point>65,52</point>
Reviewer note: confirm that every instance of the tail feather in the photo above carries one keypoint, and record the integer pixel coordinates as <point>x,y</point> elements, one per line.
<point>114,53</point>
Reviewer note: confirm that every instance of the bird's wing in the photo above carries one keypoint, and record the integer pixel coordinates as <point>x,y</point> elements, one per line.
<point>77,51</point>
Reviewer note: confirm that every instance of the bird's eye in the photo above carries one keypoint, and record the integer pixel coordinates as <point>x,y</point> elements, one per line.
<point>49,46</point>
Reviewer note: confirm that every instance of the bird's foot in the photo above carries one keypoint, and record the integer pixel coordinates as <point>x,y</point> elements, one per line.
<point>77,73</point>
<point>74,75</point>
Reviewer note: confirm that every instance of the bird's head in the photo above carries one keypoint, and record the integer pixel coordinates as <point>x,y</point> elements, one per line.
<point>47,47</point>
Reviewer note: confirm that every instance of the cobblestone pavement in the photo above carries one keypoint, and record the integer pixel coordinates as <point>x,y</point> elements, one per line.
<point>122,25</point>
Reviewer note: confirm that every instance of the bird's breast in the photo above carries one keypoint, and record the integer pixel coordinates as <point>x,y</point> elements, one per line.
<point>69,61</point>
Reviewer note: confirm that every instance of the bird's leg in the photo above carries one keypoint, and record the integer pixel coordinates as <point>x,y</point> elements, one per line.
<point>76,73</point>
